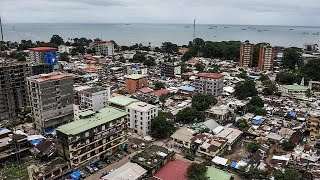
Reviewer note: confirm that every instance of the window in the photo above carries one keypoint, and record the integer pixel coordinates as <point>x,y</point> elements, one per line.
<point>141,113</point>
<point>141,123</point>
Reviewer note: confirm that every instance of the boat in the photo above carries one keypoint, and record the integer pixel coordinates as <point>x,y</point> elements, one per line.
<point>259,30</point>
<point>290,29</point>
<point>265,30</point>
<point>226,27</point>
<point>244,29</point>
<point>305,33</point>
<point>210,28</point>
<point>186,26</point>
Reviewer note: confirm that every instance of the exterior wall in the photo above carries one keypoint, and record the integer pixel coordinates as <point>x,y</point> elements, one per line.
<point>93,144</point>
<point>266,58</point>
<point>104,48</point>
<point>313,123</point>
<point>170,70</point>
<point>94,101</point>
<point>132,85</point>
<point>13,88</point>
<point>209,86</point>
<point>140,121</point>
<point>64,49</point>
<point>51,102</point>
<point>246,55</point>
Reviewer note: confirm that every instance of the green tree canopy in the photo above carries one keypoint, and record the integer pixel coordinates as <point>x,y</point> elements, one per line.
<point>291,58</point>
<point>287,145</point>
<point>311,70</point>
<point>189,115</point>
<point>256,101</point>
<point>64,57</point>
<point>150,61</point>
<point>288,174</point>
<point>197,172</point>
<point>287,77</point>
<point>161,127</point>
<point>159,85</point>
<point>169,47</point>
<point>245,89</point>
<point>253,146</point>
<point>270,87</point>
<point>202,102</point>
<point>57,40</point>
<point>200,67</point>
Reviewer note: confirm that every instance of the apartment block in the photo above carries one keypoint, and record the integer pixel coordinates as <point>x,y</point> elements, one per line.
<point>170,70</point>
<point>43,55</point>
<point>13,88</point>
<point>104,48</point>
<point>208,145</point>
<point>266,58</point>
<point>94,98</point>
<point>135,82</point>
<point>51,98</point>
<point>313,122</point>
<point>94,136</point>
<point>140,115</point>
<point>65,49</point>
<point>209,83</point>
<point>246,54</point>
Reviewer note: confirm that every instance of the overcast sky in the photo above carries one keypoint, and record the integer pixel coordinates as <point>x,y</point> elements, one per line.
<point>271,12</point>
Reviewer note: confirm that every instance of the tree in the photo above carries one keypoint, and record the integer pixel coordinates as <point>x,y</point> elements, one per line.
<point>291,58</point>
<point>64,57</point>
<point>270,87</point>
<point>159,85</point>
<point>202,102</point>
<point>260,111</point>
<point>200,67</point>
<point>253,146</point>
<point>122,59</point>
<point>287,145</point>
<point>150,61</point>
<point>245,89</point>
<point>189,115</point>
<point>139,57</point>
<point>256,101</point>
<point>253,173</point>
<point>288,174</point>
<point>311,70</point>
<point>242,123</point>
<point>160,127</point>
<point>20,56</point>
<point>170,48</point>
<point>57,40</point>
<point>287,77</point>
<point>197,172</point>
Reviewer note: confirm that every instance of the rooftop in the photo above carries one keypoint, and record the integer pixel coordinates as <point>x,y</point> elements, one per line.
<point>122,100</point>
<point>50,76</point>
<point>129,170</point>
<point>176,170</point>
<point>43,49</point>
<point>93,90</point>
<point>184,134</point>
<point>187,88</point>
<point>141,106</point>
<point>161,92</point>
<point>210,75</point>
<point>103,116</point>
<point>217,174</point>
<point>135,76</point>
<point>295,87</point>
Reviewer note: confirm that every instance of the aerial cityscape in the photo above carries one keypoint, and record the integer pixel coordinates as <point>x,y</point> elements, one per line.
<point>182,99</point>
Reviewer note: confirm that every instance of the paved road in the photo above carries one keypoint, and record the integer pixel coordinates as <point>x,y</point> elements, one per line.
<point>114,165</point>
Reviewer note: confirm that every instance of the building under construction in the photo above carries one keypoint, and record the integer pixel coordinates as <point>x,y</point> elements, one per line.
<point>13,89</point>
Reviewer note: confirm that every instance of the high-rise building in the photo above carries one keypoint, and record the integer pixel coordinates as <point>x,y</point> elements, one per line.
<point>170,70</point>
<point>140,115</point>
<point>313,122</point>
<point>209,83</point>
<point>94,136</point>
<point>13,89</point>
<point>105,48</point>
<point>266,58</point>
<point>135,82</point>
<point>94,98</point>
<point>43,55</point>
<point>51,98</point>
<point>246,54</point>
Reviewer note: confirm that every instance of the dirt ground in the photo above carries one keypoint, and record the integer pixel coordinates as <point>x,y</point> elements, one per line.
<point>238,152</point>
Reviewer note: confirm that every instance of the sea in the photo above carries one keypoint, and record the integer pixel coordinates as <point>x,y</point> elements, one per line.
<point>156,34</point>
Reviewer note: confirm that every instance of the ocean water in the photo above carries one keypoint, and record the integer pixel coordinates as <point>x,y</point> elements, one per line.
<point>128,34</point>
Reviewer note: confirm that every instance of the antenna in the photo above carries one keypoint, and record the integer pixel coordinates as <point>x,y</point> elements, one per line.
<point>1,38</point>
<point>194,28</point>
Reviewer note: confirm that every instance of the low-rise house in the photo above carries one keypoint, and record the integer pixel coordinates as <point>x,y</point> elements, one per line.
<point>293,91</point>
<point>231,134</point>
<point>219,113</point>
<point>208,145</point>
<point>176,170</point>
<point>182,137</point>
<point>129,170</point>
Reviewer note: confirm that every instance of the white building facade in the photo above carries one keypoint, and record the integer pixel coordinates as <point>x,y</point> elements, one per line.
<point>209,83</point>
<point>140,115</point>
<point>94,98</point>
<point>64,49</point>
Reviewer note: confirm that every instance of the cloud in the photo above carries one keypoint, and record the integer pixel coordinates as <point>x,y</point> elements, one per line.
<point>277,12</point>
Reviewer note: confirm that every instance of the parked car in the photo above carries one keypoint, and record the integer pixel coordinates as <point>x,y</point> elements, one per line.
<point>82,174</point>
<point>90,169</point>
<point>312,138</point>
<point>94,168</point>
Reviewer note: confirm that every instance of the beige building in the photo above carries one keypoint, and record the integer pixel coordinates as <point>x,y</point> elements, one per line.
<point>246,54</point>
<point>209,83</point>
<point>208,145</point>
<point>51,98</point>
<point>13,88</point>
<point>93,137</point>
<point>313,122</point>
<point>266,58</point>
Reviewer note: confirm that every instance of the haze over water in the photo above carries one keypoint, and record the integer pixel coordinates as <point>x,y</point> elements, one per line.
<point>128,34</point>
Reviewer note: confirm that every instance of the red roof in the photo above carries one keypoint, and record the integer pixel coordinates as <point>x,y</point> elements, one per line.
<point>43,49</point>
<point>210,75</point>
<point>174,170</point>
<point>146,90</point>
<point>161,92</point>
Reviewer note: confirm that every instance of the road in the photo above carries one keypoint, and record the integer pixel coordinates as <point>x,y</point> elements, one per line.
<point>114,165</point>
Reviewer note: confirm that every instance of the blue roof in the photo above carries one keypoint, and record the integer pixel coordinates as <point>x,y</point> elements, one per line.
<point>257,121</point>
<point>293,114</point>
<point>36,141</point>
<point>234,164</point>
<point>187,88</point>
<point>75,175</point>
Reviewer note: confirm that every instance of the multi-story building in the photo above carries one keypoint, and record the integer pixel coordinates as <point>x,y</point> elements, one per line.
<point>105,48</point>
<point>246,54</point>
<point>266,58</point>
<point>170,70</point>
<point>65,49</point>
<point>43,55</point>
<point>313,122</point>
<point>208,145</point>
<point>209,83</point>
<point>43,68</point>
<point>13,88</point>
<point>135,82</point>
<point>94,136</point>
<point>51,99</point>
<point>140,115</point>
<point>94,98</point>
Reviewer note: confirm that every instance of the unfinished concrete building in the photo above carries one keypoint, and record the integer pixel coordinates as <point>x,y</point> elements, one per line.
<point>51,99</point>
<point>13,90</point>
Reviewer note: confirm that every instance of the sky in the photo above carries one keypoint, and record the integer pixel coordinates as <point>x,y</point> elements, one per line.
<point>255,12</point>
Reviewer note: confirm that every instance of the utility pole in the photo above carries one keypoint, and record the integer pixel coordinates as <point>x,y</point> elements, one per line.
<point>194,28</point>
<point>1,44</point>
